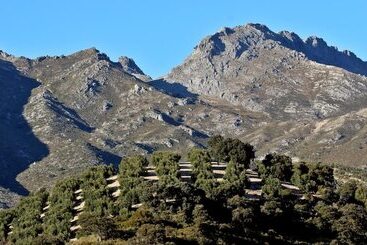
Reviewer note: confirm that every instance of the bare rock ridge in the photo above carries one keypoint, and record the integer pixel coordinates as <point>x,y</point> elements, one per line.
<point>278,74</point>
<point>316,49</point>
<point>61,114</point>
<point>129,66</point>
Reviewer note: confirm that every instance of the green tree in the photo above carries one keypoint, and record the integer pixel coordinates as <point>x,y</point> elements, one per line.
<point>61,200</point>
<point>134,166</point>
<point>217,148</point>
<point>150,234</point>
<point>272,189</point>
<point>276,166</point>
<point>104,227</point>
<point>243,213</point>
<point>276,199</point>
<point>231,149</point>
<point>96,195</point>
<point>310,177</point>
<point>234,181</point>
<point>361,194</point>
<point>300,175</point>
<point>351,227</point>
<point>239,152</point>
<point>167,167</point>
<point>27,222</point>
<point>202,174</point>
<point>132,186</point>
<point>6,216</point>
<point>326,214</point>
<point>347,192</point>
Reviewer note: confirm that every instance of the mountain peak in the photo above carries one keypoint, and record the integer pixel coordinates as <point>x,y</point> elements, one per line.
<point>92,52</point>
<point>315,41</point>
<point>129,65</point>
<point>290,36</point>
<point>252,66</point>
<point>258,26</point>
<point>233,42</point>
<point>3,54</point>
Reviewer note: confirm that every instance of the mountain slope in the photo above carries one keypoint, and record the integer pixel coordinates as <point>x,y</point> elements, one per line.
<point>61,114</point>
<point>304,106</point>
<point>257,69</point>
<point>81,110</point>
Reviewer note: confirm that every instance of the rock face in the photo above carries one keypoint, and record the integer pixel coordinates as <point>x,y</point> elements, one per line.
<point>129,66</point>
<point>59,115</point>
<point>272,73</point>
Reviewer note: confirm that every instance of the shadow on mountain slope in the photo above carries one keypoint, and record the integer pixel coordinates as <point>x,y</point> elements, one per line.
<point>67,113</point>
<point>19,147</point>
<point>173,89</point>
<point>105,156</point>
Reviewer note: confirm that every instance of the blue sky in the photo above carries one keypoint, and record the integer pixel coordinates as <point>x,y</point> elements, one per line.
<point>159,34</point>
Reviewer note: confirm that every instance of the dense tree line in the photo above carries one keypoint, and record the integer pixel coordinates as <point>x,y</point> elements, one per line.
<point>96,195</point>
<point>131,172</point>
<point>26,221</point>
<point>206,210</point>
<point>57,219</point>
<point>167,167</point>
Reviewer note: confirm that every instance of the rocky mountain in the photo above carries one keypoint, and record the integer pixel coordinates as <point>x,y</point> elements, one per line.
<point>274,73</point>
<point>307,99</point>
<point>60,114</point>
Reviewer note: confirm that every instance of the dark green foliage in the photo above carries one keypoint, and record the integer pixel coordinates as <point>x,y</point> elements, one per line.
<point>239,152</point>
<point>326,214</point>
<point>311,177</point>
<point>132,185</point>
<point>150,234</point>
<point>97,196</point>
<point>27,222</point>
<point>235,172</point>
<point>276,166</point>
<point>133,166</point>
<point>202,174</point>
<point>276,198</point>
<point>347,192</point>
<point>6,218</point>
<point>234,183</point>
<point>167,167</point>
<point>272,189</point>
<point>57,221</point>
<point>205,211</point>
<point>181,196</point>
<point>103,227</point>
<point>46,240</point>
<point>353,192</point>
<point>351,227</point>
<point>227,149</point>
<point>243,213</point>
<point>361,194</point>
<point>217,148</point>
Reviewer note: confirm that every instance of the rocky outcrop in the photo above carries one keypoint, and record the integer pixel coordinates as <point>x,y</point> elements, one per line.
<point>129,66</point>
<point>273,73</point>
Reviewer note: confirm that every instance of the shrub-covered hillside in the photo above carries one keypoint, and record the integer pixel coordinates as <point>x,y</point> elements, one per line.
<point>220,196</point>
